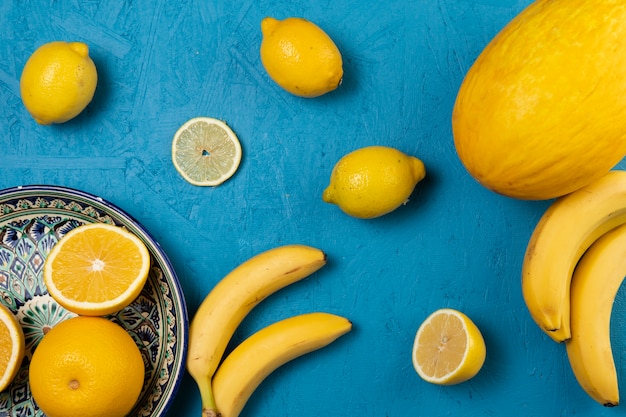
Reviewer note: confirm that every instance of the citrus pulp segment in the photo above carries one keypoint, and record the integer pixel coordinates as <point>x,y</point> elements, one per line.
<point>448,348</point>
<point>11,346</point>
<point>205,151</point>
<point>97,269</point>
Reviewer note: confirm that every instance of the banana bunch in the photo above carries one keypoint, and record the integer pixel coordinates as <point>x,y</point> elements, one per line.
<point>225,386</point>
<point>574,265</point>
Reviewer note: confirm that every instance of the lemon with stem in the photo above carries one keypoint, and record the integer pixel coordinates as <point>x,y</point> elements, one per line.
<point>373,181</point>
<point>300,57</point>
<point>58,81</point>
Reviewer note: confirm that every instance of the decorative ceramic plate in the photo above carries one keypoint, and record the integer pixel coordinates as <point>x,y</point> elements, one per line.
<point>32,220</point>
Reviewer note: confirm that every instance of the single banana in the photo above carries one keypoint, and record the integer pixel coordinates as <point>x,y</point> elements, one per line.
<point>565,231</point>
<point>596,281</point>
<point>259,355</point>
<point>231,300</point>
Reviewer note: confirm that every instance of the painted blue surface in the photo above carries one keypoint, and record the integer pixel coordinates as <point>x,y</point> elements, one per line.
<point>454,245</point>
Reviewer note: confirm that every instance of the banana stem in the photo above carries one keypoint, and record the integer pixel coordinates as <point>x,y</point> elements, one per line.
<point>209,409</point>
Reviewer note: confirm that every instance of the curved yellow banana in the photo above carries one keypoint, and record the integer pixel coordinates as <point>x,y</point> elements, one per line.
<point>565,231</point>
<point>595,284</point>
<point>231,300</point>
<point>259,355</point>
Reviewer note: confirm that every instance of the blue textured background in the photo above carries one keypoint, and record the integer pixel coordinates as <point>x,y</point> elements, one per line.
<point>454,245</point>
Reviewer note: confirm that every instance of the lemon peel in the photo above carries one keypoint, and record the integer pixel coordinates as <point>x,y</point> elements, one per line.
<point>58,81</point>
<point>300,57</point>
<point>373,181</point>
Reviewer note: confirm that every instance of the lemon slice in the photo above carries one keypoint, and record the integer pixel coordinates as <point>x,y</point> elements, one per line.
<point>448,348</point>
<point>97,269</point>
<point>205,151</point>
<point>11,347</point>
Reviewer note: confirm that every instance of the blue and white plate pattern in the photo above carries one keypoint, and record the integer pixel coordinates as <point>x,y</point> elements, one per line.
<point>32,220</point>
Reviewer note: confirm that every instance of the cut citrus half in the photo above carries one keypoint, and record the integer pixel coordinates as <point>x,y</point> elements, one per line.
<point>448,348</point>
<point>205,151</point>
<point>11,347</point>
<point>97,269</point>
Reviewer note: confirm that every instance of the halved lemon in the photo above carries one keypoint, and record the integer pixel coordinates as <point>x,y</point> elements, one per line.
<point>206,151</point>
<point>97,269</point>
<point>11,347</point>
<point>448,348</point>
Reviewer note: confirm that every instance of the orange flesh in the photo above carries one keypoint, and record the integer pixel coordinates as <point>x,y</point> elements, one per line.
<point>107,270</point>
<point>6,345</point>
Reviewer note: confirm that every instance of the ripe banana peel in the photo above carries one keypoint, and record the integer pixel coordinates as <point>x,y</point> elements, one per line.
<point>565,231</point>
<point>243,370</point>
<point>228,303</point>
<point>595,284</point>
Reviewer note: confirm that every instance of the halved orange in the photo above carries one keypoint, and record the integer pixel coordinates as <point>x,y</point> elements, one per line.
<point>97,269</point>
<point>448,348</point>
<point>11,346</point>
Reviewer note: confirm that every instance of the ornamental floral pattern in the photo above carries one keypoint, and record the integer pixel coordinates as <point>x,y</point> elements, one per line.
<point>32,220</point>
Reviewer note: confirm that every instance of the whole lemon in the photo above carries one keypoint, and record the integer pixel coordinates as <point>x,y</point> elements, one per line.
<point>372,181</point>
<point>86,367</point>
<point>541,112</point>
<point>58,81</point>
<point>300,57</point>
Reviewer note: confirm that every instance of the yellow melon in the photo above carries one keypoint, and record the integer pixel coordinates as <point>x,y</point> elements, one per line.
<point>542,111</point>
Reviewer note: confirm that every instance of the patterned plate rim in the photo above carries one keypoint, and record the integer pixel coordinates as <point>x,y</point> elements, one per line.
<point>127,220</point>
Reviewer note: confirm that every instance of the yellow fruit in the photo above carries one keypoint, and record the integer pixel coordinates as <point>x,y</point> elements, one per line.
<point>448,348</point>
<point>372,181</point>
<point>541,111</point>
<point>205,151</point>
<point>86,367</point>
<point>58,82</point>
<point>11,347</point>
<point>97,269</point>
<point>300,57</point>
